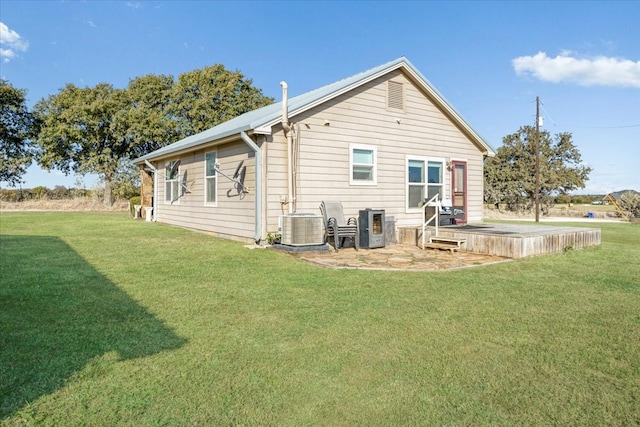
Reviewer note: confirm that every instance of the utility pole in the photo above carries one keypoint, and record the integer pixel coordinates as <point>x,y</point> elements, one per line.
<point>537,195</point>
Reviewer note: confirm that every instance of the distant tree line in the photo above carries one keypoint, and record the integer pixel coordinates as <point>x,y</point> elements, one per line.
<point>578,199</point>
<point>59,192</point>
<point>100,129</point>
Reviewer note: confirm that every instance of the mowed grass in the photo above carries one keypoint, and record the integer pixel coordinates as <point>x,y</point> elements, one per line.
<point>109,321</point>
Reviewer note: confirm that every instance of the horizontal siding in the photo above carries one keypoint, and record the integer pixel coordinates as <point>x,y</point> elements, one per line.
<point>233,216</point>
<point>276,179</point>
<point>361,117</point>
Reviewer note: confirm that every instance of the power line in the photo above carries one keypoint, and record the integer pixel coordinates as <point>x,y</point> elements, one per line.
<point>547,113</point>
<point>607,127</point>
<point>588,127</point>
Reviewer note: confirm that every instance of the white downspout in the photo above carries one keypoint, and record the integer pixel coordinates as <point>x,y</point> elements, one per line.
<point>258,202</point>
<point>155,188</point>
<point>287,133</point>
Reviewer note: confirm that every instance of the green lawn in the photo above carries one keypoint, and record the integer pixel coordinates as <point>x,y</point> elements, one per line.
<point>109,321</point>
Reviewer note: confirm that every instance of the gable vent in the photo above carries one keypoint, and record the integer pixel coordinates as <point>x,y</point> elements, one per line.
<point>395,95</point>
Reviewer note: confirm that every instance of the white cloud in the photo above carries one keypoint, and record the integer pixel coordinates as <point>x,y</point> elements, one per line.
<point>134,5</point>
<point>7,54</point>
<point>10,42</point>
<point>598,71</point>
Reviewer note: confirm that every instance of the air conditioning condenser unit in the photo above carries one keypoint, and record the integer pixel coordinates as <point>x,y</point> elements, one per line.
<point>302,230</point>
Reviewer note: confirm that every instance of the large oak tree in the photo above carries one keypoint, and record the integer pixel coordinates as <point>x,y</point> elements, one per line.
<point>95,130</point>
<point>510,176</point>
<point>17,125</point>
<point>206,97</point>
<point>146,121</point>
<point>79,134</point>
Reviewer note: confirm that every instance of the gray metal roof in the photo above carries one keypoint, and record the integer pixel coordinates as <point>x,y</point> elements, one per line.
<point>271,114</point>
<point>616,194</point>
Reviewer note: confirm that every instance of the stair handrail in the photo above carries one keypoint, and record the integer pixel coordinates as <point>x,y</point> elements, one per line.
<point>434,201</point>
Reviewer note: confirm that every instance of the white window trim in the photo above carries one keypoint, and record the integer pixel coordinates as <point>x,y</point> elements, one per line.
<point>175,198</point>
<point>206,203</point>
<point>374,149</point>
<point>426,160</point>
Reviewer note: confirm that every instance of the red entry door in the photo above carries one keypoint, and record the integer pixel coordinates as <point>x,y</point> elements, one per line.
<point>459,190</point>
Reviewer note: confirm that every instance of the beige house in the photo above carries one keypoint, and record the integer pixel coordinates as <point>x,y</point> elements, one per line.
<point>382,139</point>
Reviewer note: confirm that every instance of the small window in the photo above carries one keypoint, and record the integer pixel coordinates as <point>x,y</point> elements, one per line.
<point>210,179</point>
<point>172,178</point>
<point>395,95</point>
<point>363,165</point>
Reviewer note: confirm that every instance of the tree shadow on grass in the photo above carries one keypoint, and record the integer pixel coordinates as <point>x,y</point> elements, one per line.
<point>57,313</point>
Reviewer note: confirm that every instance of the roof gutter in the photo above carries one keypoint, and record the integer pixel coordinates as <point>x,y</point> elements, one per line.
<point>169,154</point>
<point>258,201</point>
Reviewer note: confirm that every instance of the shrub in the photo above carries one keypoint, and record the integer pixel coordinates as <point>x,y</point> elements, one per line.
<point>60,192</point>
<point>630,203</point>
<point>41,192</point>
<point>10,195</point>
<point>135,200</point>
<point>79,192</point>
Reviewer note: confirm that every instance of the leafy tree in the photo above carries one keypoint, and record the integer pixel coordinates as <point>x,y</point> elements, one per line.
<point>206,97</point>
<point>126,182</point>
<point>17,125</point>
<point>95,130</point>
<point>146,122</point>
<point>78,133</point>
<point>510,175</point>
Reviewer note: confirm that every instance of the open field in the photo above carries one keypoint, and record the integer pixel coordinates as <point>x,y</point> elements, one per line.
<point>109,321</point>
<point>557,211</point>
<point>83,204</point>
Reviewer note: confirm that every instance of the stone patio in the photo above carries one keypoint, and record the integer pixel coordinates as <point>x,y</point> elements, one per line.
<point>397,257</point>
<point>484,243</point>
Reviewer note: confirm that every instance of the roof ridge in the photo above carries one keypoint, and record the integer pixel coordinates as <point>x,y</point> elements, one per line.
<point>268,115</point>
<point>345,79</point>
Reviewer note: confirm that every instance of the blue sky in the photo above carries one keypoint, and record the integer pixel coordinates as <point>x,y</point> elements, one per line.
<point>489,59</point>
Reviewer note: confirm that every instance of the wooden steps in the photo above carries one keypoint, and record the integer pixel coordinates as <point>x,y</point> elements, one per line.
<point>444,243</point>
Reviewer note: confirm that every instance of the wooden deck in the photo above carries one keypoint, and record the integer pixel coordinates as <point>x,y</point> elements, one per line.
<point>509,240</point>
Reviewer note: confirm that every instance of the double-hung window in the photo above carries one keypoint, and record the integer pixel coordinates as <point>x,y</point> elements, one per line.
<point>172,181</point>
<point>435,179</point>
<point>425,179</point>
<point>415,183</point>
<point>210,178</point>
<point>362,165</point>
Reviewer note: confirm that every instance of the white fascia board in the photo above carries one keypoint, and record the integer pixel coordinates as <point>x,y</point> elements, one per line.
<point>263,130</point>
